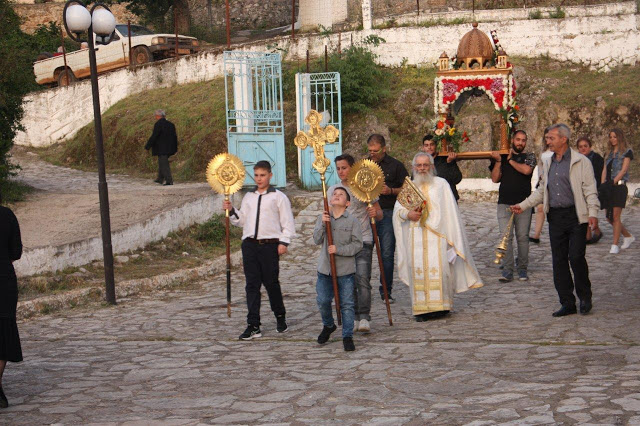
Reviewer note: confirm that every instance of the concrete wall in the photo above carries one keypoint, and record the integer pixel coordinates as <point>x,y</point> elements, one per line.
<point>501,15</point>
<point>601,42</point>
<point>326,13</point>
<point>54,258</point>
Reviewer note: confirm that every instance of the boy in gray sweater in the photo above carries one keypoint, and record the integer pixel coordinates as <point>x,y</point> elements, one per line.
<point>347,241</point>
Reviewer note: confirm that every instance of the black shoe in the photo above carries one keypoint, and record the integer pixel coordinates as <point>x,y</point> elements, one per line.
<point>3,400</point>
<point>325,334</point>
<point>391,299</point>
<point>168,183</point>
<point>585,306</point>
<point>159,181</point>
<point>564,311</point>
<point>534,240</point>
<point>282,324</point>
<point>347,342</point>
<point>252,332</point>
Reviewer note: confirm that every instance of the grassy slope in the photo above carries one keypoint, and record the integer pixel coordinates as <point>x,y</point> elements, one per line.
<point>198,111</point>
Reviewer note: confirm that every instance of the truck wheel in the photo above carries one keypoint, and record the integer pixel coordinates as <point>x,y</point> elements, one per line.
<point>65,78</point>
<point>142,55</point>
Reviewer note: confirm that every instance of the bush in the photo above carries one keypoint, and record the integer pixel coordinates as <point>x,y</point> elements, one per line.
<point>363,82</point>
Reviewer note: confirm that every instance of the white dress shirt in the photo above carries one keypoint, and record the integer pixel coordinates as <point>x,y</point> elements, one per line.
<point>274,217</point>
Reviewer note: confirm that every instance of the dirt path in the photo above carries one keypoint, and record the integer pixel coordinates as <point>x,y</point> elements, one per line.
<point>65,207</point>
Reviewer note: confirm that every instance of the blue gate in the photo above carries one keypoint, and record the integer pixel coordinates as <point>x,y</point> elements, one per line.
<point>255,125</point>
<point>320,92</point>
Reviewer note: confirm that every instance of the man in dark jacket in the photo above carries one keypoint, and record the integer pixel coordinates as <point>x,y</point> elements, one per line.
<point>446,167</point>
<point>163,143</point>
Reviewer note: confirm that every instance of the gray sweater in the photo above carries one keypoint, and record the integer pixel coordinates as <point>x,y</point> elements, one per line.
<point>347,237</point>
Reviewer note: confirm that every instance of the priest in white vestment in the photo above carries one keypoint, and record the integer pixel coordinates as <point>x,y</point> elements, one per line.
<point>434,258</point>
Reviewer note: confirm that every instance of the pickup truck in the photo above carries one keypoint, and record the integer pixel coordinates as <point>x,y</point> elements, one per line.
<point>146,47</point>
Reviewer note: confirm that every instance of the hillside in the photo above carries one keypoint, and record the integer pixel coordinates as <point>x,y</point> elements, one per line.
<point>548,91</point>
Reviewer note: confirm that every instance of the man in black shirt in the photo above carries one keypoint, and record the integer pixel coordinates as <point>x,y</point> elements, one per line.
<point>394,174</point>
<point>446,167</point>
<point>513,171</point>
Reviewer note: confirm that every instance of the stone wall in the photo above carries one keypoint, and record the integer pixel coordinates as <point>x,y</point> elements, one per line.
<point>601,42</point>
<point>326,13</point>
<point>245,14</point>
<point>34,15</point>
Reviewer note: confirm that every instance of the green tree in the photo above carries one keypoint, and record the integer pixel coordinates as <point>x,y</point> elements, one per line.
<point>16,79</point>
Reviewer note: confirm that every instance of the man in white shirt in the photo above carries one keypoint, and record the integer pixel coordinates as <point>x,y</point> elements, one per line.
<point>267,228</point>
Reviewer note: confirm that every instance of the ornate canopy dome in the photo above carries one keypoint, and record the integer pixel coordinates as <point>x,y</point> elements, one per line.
<point>475,46</point>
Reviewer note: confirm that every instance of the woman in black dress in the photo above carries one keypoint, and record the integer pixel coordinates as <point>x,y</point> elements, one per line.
<point>584,147</point>
<point>10,250</point>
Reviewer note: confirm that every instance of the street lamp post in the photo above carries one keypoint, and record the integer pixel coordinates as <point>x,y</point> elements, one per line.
<point>77,20</point>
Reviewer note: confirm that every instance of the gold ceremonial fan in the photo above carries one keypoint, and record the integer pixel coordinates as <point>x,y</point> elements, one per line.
<point>366,180</point>
<point>225,173</point>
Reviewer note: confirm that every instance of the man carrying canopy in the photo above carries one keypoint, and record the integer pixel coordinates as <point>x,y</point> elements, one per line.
<point>434,258</point>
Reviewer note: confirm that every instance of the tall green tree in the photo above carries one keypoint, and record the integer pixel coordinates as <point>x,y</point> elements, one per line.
<point>16,79</point>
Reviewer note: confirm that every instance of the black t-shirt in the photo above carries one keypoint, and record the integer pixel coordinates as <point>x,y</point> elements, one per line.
<point>514,186</point>
<point>394,174</point>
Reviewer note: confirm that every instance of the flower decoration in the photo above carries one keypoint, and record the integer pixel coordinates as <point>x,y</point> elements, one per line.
<point>511,114</point>
<point>445,131</point>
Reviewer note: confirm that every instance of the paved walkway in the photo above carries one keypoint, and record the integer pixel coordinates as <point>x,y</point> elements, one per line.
<point>500,358</point>
<point>66,201</point>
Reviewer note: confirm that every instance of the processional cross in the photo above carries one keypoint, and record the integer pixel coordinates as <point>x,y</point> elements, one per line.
<point>317,138</point>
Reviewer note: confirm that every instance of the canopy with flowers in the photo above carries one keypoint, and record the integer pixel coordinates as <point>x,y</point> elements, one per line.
<point>479,66</point>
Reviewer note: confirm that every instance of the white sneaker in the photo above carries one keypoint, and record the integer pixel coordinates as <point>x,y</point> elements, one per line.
<point>614,249</point>
<point>356,325</point>
<point>364,326</point>
<point>626,242</point>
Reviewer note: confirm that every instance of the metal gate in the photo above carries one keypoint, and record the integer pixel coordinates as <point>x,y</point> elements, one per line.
<point>255,125</point>
<point>321,92</point>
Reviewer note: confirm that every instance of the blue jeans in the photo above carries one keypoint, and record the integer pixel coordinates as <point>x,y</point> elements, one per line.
<point>387,247</point>
<point>324,289</point>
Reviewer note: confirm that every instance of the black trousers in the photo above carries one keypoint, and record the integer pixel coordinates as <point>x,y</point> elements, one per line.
<point>568,245</point>
<point>164,171</point>
<point>261,266</point>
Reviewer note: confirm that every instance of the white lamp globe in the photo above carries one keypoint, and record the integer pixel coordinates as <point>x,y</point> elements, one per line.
<point>78,18</point>
<point>103,22</point>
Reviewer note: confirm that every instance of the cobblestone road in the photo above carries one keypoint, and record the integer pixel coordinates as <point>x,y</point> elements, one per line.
<point>500,358</point>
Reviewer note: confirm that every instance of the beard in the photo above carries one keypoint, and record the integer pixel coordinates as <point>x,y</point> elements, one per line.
<point>422,178</point>
<point>517,150</point>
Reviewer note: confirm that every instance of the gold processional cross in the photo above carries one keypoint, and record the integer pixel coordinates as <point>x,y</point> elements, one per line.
<point>317,137</point>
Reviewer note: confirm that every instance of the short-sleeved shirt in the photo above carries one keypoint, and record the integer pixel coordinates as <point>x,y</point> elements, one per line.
<point>394,174</point>
<point>357,209</point>
<point>559,182</point>
<point>514,186</point>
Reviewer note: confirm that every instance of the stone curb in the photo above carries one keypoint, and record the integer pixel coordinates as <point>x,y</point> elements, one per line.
<point>35,307</point>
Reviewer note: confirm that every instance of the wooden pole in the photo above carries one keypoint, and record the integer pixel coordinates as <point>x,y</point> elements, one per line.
<point>226,213</point>
<point>293,19</point>
<point>129,36</point>
<point>418,7</point>
<point>307,61</point>
<point>332,257</point>
<point>326,59</point>
<point>383,280</point>
<point>228,24</point>
<point>64,56</point>
<point>175,23</point>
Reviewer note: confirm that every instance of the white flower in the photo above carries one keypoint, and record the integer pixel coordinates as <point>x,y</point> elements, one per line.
<point>439,132</point>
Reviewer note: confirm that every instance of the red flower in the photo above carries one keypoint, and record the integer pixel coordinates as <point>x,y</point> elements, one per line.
<point>517,108</point>
<point>464,135</point>
<point>440,124</point>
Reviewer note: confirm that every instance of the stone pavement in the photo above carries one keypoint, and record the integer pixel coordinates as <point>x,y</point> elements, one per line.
<point>500,358</point>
